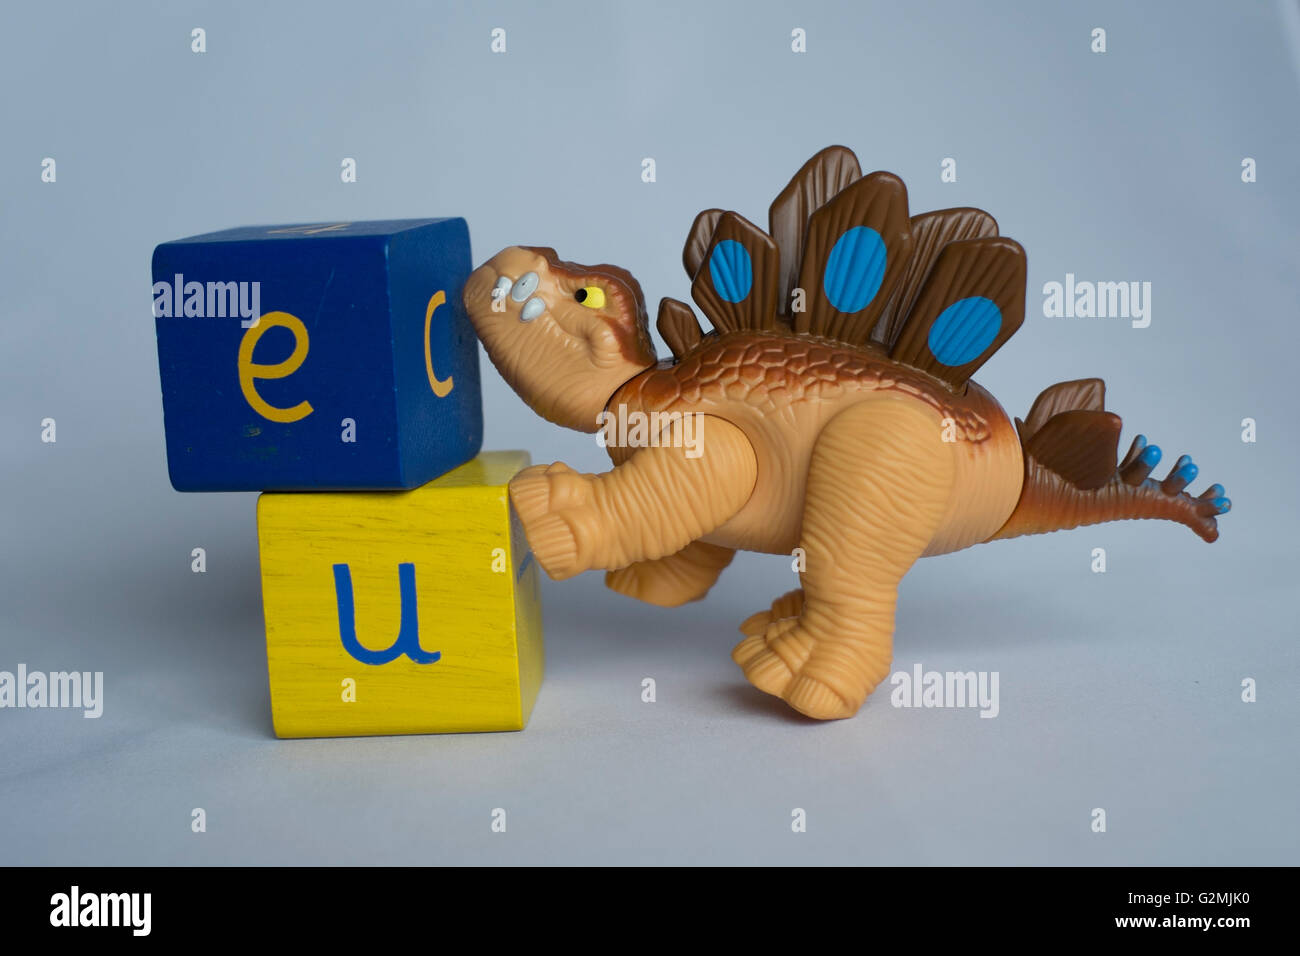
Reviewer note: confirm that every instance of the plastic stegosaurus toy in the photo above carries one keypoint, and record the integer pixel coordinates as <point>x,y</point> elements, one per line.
<point>832,409</point>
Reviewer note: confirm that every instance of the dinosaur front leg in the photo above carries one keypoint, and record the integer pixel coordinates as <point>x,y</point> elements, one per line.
<point>878,487</point>
<point>649,507</point>
<point>673,580</point>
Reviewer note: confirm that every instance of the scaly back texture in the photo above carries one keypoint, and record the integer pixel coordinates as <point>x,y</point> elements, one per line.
<point>845,261</point>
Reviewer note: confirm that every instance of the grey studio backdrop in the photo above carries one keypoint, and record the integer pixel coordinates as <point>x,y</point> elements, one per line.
<point>1120,691</point>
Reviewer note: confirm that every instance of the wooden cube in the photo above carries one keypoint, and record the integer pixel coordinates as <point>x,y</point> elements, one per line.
<point>326,356</point>
<point>401,612</point>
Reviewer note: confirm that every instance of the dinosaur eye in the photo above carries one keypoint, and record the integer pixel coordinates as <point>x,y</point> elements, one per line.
<point>593,297</point>
<point>525,287</point>
<point>532,309</point>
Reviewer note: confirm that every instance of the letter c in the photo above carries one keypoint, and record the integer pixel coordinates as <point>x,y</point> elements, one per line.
<point>442,388</point>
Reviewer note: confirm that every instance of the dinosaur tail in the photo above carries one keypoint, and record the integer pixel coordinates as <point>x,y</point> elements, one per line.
<point>1073,476</point>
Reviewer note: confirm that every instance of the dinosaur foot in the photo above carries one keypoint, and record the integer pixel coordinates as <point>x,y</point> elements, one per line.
<point>773,658</point>
<point>549,500</point>
<point>787,605</point>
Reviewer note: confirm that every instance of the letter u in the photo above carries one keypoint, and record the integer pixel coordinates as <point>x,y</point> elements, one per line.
<point>408,633</point>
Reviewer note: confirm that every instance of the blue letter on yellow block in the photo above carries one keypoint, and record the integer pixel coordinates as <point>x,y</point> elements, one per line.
<point>327,577</point>
<point>408,632</point>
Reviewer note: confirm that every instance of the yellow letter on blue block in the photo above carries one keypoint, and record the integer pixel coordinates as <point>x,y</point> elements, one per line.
<point>401,612</point>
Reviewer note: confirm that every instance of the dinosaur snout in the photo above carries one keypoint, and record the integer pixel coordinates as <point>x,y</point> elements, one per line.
<point>506,287</point>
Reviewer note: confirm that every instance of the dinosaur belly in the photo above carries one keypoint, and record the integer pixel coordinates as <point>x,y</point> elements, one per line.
<point>782,390</point>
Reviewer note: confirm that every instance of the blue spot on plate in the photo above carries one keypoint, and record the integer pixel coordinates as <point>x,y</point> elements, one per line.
<point>964,330</point>
<point>732,270</point>
<point>854,269</point>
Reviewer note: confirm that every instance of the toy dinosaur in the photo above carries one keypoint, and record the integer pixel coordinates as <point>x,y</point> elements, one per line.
<point>834,411</point>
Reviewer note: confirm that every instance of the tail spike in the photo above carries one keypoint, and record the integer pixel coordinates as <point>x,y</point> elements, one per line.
<point>1180,476</point>
<point>1140,468</point>
<point>1135,449</point>
<point>1217,499</point>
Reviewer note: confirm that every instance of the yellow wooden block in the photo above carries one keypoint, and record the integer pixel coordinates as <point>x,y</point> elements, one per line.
<point>401,612</point>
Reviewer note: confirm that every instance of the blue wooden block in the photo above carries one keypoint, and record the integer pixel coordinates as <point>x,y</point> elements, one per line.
<point>329,356</point>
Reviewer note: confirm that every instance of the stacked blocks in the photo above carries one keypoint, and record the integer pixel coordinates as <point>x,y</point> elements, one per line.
<point>337,359</point>
<point>331,356</point>
<point>401,612</point>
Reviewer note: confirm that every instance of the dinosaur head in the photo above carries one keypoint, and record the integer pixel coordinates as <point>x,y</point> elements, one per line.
<point>565,336</point>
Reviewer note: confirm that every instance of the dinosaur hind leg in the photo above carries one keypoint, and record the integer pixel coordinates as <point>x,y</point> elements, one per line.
<point>878,487</point>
